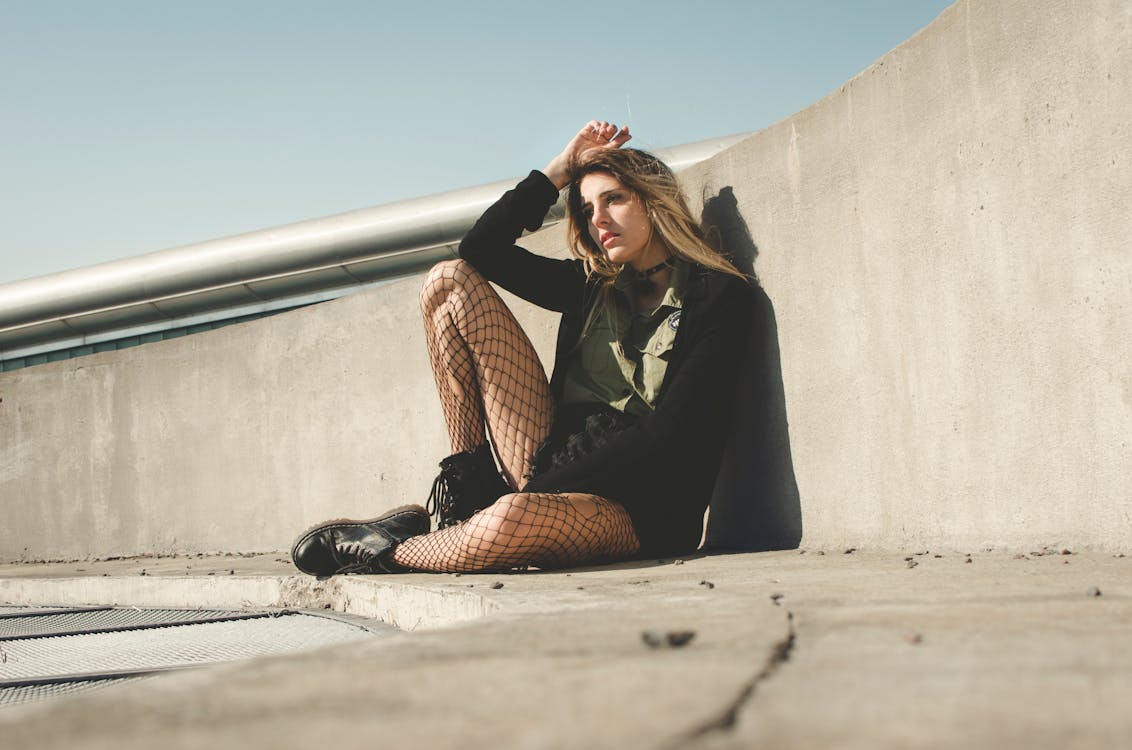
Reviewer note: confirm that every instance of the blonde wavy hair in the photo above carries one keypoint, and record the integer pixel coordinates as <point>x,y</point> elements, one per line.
<point>654,184</point>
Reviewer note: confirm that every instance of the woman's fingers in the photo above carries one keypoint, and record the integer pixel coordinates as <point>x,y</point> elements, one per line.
<point>593,129</point>
<point>594,135</point>
<point>606,134</point>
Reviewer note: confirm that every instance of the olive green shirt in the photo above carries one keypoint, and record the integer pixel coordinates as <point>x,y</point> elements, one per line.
<point>623,357</point>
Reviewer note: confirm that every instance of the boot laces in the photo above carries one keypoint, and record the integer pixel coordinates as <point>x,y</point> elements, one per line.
<point>440,500</point>
<point>444,497</point>
<point>355,557</point>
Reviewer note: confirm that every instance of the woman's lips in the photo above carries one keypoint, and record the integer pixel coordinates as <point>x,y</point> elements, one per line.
<point>606,237</point>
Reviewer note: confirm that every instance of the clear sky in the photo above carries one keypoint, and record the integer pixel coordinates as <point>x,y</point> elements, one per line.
<point>128,126</point>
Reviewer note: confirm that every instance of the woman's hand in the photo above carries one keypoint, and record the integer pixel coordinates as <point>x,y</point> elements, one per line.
<point>595,134</point>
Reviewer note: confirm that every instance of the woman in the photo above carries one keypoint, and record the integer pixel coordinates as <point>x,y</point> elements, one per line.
<point>617,454</point>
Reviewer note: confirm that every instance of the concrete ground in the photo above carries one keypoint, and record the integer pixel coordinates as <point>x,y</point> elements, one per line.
<point>852,649</point>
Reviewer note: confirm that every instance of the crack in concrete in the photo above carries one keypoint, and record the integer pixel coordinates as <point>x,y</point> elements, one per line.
<point>726,721</point>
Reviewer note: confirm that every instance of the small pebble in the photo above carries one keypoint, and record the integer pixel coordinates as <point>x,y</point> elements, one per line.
<point>908,559</point>
<point>497,585</point>
<point>231,572</point>
<point>775,597</point>
<point>671,638</point>
<point>581,588</point>
<point>1066,552</point>
<point>678,562</point>
<point>850,550</point>
<point>801,552</point>
<point>142,573</point>
<point>912,563</point>
<point>708,584</point>
<point>914,639</point>
<point>678,638</point>
<point>1093,591</point>
<point>1021,556</point>
<point>820,552</point>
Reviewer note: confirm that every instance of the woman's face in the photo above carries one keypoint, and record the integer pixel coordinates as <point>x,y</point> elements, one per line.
<point>618,222</point>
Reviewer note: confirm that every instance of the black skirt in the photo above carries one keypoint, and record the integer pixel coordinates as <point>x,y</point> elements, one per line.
<point>578,431</point>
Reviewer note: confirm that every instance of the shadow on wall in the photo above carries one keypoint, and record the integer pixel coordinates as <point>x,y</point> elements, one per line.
<point>756,505</point>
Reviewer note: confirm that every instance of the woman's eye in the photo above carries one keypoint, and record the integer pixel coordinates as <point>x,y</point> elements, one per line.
<point>613,198</point>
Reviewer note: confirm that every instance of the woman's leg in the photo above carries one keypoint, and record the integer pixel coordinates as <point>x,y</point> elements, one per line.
<point>486,369</point>
<point>490,381</point>
<point>526,528</point>
<point>487,372</point>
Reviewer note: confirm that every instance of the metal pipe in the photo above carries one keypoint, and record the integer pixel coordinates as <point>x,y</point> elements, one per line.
<point>304,257</point>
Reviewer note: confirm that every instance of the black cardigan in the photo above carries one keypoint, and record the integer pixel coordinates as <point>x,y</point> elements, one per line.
<point>663,469</point>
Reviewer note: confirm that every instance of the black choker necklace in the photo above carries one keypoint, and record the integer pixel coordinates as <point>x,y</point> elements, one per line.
<point>642,280</point>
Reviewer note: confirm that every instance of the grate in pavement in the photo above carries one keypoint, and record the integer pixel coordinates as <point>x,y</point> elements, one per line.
<point>54,653</point>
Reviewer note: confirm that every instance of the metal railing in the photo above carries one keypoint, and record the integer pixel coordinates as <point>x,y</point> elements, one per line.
<point>259,271</point>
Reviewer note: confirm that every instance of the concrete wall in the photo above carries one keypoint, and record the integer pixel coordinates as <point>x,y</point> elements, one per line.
<point>943,241</point>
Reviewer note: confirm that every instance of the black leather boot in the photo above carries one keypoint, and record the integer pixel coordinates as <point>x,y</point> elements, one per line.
<point>467,482</point>
<point>345,546</point>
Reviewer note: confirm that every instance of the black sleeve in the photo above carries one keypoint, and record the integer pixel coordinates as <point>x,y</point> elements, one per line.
<point>688,428</point>
<point>490,247</point>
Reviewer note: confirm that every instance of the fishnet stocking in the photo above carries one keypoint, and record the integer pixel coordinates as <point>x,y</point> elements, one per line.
<point>486,369</point>
<point>522,529</point>
<point>488,374</point>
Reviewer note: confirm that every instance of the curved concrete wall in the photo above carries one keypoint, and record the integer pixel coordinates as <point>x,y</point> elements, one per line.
<point>943,241</point>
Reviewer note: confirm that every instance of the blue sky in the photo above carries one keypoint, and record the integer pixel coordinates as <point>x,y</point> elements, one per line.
<point>130,126</point>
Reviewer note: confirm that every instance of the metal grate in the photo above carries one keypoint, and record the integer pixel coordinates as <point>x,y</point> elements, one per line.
<point>109,645</point>
<point>68,622</point>
<point>13,610</point>
<point>10,696</point>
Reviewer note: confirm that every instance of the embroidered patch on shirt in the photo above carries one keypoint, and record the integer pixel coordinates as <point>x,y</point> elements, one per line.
<point>674,320</point>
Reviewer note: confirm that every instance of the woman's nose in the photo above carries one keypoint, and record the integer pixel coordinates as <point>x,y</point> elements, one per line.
<point>600,217</point>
